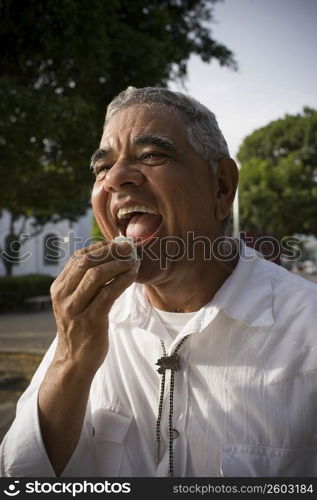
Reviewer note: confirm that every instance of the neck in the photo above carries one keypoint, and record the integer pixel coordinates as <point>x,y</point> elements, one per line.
<point>190,286</point>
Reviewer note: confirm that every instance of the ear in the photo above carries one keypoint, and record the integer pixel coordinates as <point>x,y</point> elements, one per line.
<point>227,181</point>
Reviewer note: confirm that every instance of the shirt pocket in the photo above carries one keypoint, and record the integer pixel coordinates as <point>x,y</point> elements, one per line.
<point>110,427</point>
<point>241,460</point>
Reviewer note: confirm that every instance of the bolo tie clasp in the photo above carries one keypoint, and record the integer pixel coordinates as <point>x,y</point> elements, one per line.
<point>168,363</point>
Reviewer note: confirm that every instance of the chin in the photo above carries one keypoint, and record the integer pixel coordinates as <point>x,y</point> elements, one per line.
<point>150,273</point>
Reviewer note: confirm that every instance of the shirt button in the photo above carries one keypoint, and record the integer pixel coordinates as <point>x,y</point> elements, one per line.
<point>175,433</point>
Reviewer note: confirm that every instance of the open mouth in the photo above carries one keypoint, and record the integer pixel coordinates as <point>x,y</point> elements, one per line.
<point>139,223</point>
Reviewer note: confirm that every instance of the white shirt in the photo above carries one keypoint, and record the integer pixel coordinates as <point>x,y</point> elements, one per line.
<point>245,401</point>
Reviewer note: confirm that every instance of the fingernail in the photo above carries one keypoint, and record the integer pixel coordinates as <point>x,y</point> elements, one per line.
<point>123,241</point>
<point>124,248</point>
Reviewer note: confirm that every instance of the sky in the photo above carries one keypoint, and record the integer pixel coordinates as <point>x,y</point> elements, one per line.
<point>275,44</point>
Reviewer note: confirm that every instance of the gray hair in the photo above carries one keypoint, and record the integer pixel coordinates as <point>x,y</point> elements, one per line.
<point>203,132</point>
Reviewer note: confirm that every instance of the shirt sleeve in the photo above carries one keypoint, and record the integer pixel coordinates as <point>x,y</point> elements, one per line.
<point>22,452</point>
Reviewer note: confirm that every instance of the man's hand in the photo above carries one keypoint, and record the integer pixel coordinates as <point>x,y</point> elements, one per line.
<point>82,297</point>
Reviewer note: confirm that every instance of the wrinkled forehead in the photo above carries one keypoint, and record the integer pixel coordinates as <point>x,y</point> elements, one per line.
<point>156,119</point>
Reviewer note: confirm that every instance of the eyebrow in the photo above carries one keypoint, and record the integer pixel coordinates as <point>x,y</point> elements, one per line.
<point>98,155</point>
<point>156,140</point>
<point>143,139</point>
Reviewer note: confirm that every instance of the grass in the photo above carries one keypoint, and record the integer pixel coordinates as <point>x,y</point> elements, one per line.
<point>16,372</point>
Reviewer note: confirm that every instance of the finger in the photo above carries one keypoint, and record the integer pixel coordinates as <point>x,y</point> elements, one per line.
<point>78,254</point>
<point>59,285</point>
<point>108,294</point>
<point>86,260</point>
<point>95,279</point>
<point>114,250</point>
<point>96,257</point>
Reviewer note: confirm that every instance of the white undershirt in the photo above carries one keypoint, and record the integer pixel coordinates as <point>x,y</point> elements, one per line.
<point>174,322</point>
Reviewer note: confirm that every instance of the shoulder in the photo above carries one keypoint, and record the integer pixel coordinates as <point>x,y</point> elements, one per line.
<point>293,297</point>
<point>288,347</point>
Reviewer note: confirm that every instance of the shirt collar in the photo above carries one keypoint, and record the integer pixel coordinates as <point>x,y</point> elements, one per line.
<point>246,295</point>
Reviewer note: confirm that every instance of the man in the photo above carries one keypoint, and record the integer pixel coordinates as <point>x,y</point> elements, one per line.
<point>198,358</point>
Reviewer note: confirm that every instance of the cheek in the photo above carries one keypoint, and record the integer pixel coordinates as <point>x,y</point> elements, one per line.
<point>100,201</point>
<point>98,191</point>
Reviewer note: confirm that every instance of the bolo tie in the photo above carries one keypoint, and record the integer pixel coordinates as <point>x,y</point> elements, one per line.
<point>172,363</point>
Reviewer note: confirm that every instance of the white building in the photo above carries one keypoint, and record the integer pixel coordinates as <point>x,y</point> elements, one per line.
<point>48,252</point>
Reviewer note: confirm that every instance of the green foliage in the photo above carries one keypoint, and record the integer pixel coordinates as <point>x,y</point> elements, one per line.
<point>62,61</point>
<point>278,177</point>
<point>95,232</point>
<point>15,289</point>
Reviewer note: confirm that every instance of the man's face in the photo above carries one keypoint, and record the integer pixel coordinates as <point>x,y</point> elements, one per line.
<point>145,165</point>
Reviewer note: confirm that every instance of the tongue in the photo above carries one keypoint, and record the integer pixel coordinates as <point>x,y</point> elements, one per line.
<point>143,226</point>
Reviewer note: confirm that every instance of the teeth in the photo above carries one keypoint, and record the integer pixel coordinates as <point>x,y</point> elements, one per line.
<point>123,213</point>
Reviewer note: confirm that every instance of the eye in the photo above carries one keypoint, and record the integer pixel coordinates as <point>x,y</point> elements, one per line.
<point>101,171</point>
<point>153,158</point>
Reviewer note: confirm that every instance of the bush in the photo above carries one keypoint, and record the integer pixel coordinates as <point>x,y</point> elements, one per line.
<point>15,289</point>
<point>95,232</point>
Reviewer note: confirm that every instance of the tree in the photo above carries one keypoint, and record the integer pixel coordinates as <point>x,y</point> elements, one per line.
<point>278,177</point>
<point>62,61</point>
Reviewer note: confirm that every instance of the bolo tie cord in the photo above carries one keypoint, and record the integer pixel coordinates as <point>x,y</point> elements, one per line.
<point>167,363</point>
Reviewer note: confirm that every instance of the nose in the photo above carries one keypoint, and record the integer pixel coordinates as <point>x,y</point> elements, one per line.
<point>121,175</point>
